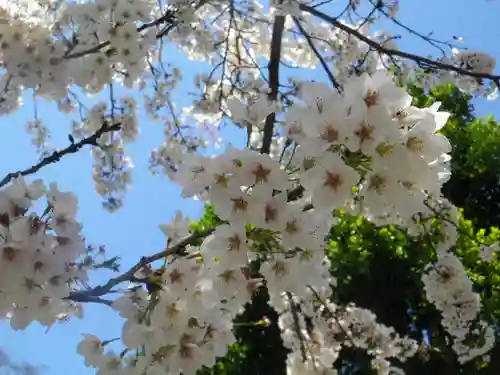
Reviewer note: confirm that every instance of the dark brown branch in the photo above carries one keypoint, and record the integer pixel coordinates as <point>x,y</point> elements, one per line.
<point>368,18</point>
<point>274,75</point>
<point>392,52</point>
<point>317,53</point>
<point>432,41</point>
<point>57,155</point>
<point>93,294</point>
<point>101,290</point>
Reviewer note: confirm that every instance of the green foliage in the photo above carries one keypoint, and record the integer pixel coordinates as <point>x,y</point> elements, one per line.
<point>380,268</point>
<point>207,221</point>
<point>475,183</point>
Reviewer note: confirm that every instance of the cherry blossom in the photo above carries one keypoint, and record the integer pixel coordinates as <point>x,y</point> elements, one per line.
<point>354,142</point>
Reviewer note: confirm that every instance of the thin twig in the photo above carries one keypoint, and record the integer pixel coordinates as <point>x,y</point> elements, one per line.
<point>392,52</point>
<point>318,54</point>
<point>333,316</point>
<point>92,294</point>
<point>57,155</point>
<point>129,275</point>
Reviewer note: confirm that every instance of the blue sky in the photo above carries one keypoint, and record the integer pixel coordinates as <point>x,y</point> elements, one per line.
<point>133,231</point>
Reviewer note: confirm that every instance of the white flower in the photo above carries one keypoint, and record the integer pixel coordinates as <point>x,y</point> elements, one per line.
<point>228,281</point>
<point>307,155</point>
<point>234,205</point>
<point>274,216</point>
<point>264,172</point>
<point>110,364</point>
<point>299,228</point>
<point>317,96</point>
<point>181,276</point>
<point>194,175</point>
<point>296,120</point>
<point>423,140</point>
<point>177,229</point>
<point>367,134</point>
<point>278,273</point>
<point>475,61</point>
<point>330,182</point>
<point>218,336</point>
<point>327,122</point>
<point>375,90</point>
<point>228,245</point>
<point>487,252</point>
<point>380,188</point>
<point>135,334</point>
<point>131,303</point>
<point>91,349</point>
<point>65,204</point>
<point>250,114</point>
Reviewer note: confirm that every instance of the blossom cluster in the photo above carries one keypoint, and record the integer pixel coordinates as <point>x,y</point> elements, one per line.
<point>51,48</point>
<point>366,149</point>
<point>369,149</point>
<point>40,255</point>
<point>112,166</point>
<point>449,288</point>
<point>183,326</point>
<point>314,350</point>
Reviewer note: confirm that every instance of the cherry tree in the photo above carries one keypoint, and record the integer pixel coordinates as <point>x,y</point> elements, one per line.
<point>354,143</point>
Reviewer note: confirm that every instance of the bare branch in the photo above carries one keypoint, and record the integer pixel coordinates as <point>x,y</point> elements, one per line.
<point>318,54</point>
<point>392,52</point>
<point>57,155</point>
<point>90,295</point>
<point>93,294</point>
<point>432,41</point>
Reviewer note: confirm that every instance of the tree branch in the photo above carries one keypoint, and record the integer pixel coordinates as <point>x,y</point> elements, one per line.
<point>57,155</point>
<point>317,53</point>
<point>90,295</point>
<point>392,52</point>
<point>274,76</point>
<point>93,294</point>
